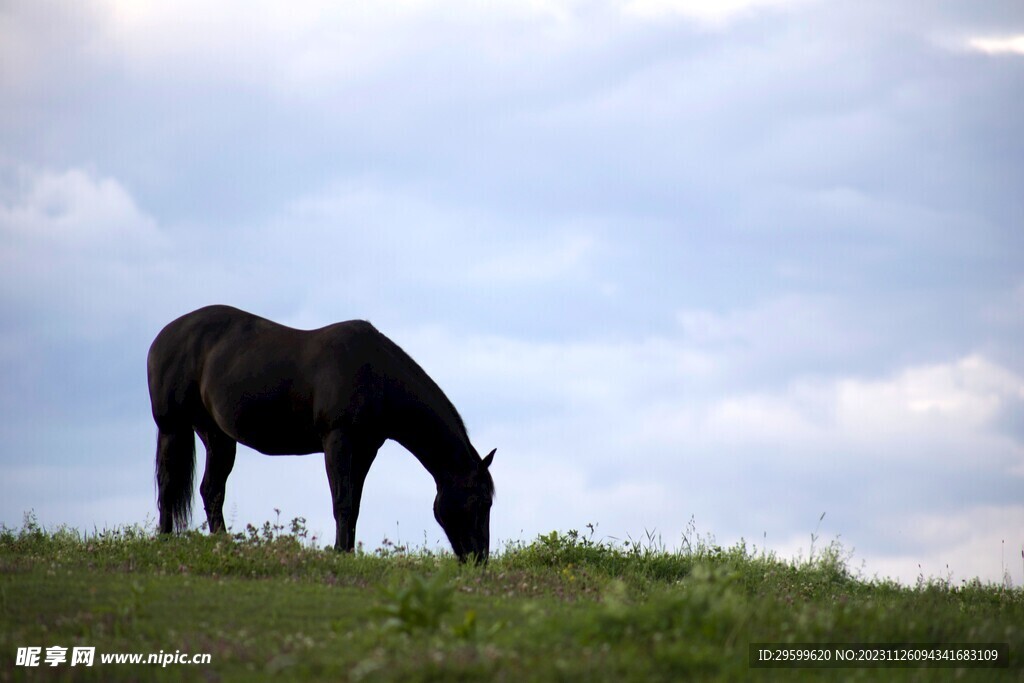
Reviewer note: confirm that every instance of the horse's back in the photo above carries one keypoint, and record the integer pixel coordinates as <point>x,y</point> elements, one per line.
<point>245,372</point>
<point>180,345</point>
<point>180,351</point>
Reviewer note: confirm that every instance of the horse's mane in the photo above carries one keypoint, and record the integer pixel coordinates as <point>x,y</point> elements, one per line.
<point>410,365</point>
<point>397,352</point>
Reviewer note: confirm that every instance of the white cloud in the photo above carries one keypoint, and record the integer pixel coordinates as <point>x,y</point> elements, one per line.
<point>758,420</point>
<point>982,541</point>
<point>80,259</point>
<point>788,324</point>
<point>76,243</point>
<point>998,46</point>
<point>302,44</point>
<point>75,210</point>
<point>964,395</point>
<point>389,252</point>
<point>550,257</point>
<point>715,13</point>
<point>598,375</point>
<point>945,412</point>
<point>314,46</point>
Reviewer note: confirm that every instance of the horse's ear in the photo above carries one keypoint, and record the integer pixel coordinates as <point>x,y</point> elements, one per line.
<point>490,458</point>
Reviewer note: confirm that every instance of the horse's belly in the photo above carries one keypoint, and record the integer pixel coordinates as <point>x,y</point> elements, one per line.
<point>273,427</point>
<point>270,447</point>
<point>278,435</point>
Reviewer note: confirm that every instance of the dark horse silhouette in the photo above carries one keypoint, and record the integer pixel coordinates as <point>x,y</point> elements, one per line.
<point>341,390</point>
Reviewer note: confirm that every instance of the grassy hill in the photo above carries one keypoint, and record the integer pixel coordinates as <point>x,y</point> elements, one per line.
<point>265,603</point>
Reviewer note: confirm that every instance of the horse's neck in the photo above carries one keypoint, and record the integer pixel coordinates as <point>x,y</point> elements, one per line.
<point>428,428</point>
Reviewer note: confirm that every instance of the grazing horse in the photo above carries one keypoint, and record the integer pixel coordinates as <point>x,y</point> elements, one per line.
<point>341,390</point>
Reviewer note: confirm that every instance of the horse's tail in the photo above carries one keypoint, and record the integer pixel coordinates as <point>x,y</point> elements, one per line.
<point>175,478</point>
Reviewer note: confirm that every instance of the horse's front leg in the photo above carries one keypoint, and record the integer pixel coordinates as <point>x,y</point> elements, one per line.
<point>348,462</point>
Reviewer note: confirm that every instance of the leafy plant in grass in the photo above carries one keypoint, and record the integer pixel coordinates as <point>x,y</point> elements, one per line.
<point>418,604</point>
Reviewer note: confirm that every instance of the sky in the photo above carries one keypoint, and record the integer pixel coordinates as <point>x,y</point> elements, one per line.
<point>725,267</point>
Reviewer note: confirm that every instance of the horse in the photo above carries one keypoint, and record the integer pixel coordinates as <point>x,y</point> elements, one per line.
<point>342,390</point>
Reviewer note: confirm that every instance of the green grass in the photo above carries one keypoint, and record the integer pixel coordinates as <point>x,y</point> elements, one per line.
<point>266,603</point>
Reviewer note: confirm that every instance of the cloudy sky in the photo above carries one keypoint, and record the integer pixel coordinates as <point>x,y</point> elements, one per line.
<point>743,262</point>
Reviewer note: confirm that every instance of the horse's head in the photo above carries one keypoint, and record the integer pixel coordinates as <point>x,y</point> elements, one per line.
<point>463,509</point>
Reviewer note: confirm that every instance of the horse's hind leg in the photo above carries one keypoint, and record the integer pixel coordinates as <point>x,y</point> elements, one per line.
<point>220,458</point>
